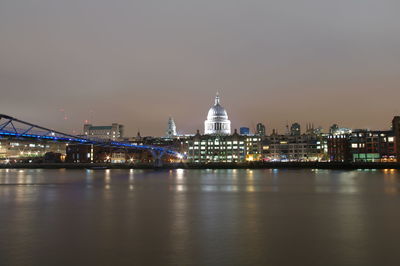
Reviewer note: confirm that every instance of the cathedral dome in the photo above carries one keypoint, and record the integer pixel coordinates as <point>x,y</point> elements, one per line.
<point>217,112</point>
<point>217,120</point>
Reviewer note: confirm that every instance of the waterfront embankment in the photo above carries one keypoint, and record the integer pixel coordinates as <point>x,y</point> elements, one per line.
<point>247,165</point>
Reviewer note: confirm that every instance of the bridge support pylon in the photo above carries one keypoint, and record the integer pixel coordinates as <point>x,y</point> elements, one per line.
<point>157,157</point>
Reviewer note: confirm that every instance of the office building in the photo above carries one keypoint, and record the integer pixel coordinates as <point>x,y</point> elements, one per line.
<point>113,132</point>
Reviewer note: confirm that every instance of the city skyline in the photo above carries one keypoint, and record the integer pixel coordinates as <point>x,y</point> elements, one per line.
<point>65,119</point>
<point>276,63</point>
<point>187,132</point>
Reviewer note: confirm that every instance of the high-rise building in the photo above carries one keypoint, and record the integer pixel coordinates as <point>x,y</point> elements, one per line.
<point>113,132</point>
<point>295,129</point>
<point>171,129</point>
<point>244,131</point>
<point>261,131</point>
<point>217,122</point>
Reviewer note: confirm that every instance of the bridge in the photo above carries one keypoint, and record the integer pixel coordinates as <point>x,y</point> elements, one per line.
<point>13,127</point>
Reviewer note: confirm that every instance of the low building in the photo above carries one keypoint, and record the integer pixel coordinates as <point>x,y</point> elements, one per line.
<point>223,148</point>
<point>372,146</point>
<point>305,147</point>
<point>25,150</point>
<point>396,133</point>
<point>84,153</point>
<point>339,148</point>
<point>363,145</point>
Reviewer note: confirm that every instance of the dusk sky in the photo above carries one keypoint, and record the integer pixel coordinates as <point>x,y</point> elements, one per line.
<point>138,62</point>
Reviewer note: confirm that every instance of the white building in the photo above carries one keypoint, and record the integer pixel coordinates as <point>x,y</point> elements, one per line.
<point>171,129</point>
<point>217,122</point>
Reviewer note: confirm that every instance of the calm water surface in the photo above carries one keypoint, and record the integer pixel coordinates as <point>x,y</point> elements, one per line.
<point>199,217</point>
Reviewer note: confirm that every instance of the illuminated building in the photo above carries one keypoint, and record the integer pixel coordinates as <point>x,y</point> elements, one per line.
<point>336,130</point>
<point>305,147</point>
<point>261,131</point>
<point>25,150</point>
<point>372,146</point>
<point>244,131</point>
<point>363,146</point>
<point>223,148</point>
<point>295,129</point>
<point>113,132</point>
<point>339,148</point>
<point>171,129</point>
<point>396,133</point>
<point>217,122</point>
<point>83,153</point>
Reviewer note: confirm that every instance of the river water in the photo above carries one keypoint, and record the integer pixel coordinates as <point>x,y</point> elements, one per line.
<point>199,217</point>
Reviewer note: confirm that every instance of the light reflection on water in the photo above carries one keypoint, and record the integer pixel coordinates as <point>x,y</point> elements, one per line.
<point>204,217</point>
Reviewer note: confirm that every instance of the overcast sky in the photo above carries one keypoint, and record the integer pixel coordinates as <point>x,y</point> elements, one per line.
<point>137,62</point>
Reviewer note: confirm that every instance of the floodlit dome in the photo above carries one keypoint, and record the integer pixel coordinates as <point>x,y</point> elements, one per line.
<point>217,120</point>
<point>217,111</point>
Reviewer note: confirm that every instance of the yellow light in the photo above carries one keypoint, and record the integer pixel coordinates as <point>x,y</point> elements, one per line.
<point>250,158</point>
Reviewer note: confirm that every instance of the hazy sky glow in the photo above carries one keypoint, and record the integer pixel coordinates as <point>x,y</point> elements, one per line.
<point>137,62</point>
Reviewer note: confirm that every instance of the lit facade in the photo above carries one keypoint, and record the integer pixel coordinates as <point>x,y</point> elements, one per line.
<point>305,147</point>
<point>28,150</point>
<point>223,148</point>
<point>396,133</point>
<point>217,122</point>
<point>171,129</point>
<point>363,146</point>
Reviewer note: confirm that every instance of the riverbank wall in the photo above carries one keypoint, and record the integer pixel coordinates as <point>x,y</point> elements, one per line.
<point>250,165</point>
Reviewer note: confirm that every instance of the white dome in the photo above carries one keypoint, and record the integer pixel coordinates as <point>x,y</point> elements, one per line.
<point>217,112</point>
<point>217,120</point>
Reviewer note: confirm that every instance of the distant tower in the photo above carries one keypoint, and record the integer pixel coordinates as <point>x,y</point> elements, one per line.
<point>138,136</point>
<point>295,129</point>
<point>260,129</point>
<point>171,129</point>
<point>287,129</point>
